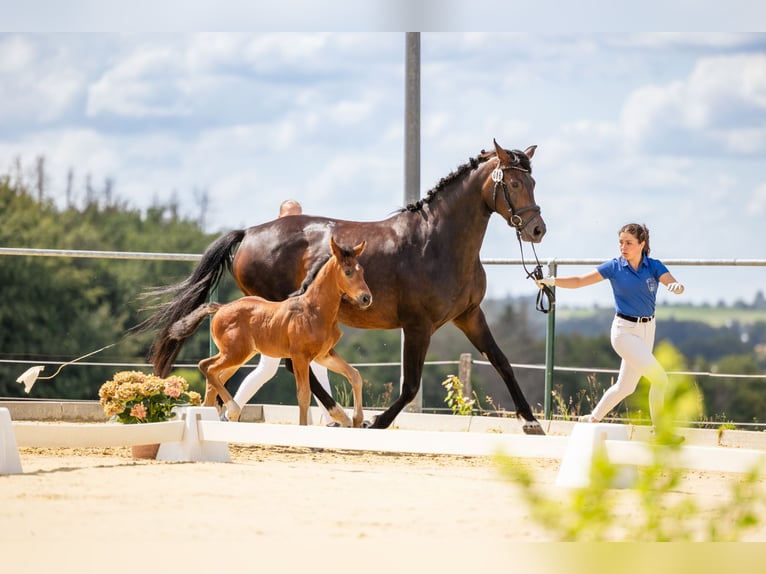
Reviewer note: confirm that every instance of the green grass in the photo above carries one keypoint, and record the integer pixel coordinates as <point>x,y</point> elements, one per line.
<point>713,316</point>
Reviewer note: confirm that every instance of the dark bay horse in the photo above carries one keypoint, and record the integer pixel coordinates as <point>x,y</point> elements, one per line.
<point>422,265</point>
<point>303,328</point>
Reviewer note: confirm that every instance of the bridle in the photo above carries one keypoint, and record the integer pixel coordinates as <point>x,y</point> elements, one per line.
<point>517,222</point>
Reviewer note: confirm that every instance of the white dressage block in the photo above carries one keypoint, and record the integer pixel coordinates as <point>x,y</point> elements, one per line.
<point>10,462</point>
<point>191,447</point>
<point>84,435</point>
<point>585,443</point>
<point>385,440</point>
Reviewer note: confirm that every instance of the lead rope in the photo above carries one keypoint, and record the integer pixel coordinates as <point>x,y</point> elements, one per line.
<point>545,294</point>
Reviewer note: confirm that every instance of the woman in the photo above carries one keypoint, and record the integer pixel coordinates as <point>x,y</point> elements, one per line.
<point>634,277</point>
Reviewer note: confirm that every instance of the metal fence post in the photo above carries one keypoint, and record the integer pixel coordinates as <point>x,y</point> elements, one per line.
<point>550,339</point>
<point>464,374</point>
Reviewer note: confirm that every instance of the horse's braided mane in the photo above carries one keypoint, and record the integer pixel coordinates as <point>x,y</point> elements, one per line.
<point>520,158</point>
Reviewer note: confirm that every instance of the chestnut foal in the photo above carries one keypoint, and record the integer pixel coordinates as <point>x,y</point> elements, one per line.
<point>303,328</point>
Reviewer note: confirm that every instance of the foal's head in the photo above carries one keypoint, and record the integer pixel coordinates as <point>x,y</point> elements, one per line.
<point>351,276</point>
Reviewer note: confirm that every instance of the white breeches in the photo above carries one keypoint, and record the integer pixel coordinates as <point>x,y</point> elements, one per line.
<point>265,371</point>
<point>634,342</point>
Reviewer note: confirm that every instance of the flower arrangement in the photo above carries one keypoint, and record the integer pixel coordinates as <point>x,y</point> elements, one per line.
<point>134,397</point>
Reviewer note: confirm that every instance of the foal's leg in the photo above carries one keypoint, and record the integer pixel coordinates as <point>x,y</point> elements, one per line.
<point>217,370</point>
<point>321,391</point>
<point>301,372</point>
<point>336,364</point>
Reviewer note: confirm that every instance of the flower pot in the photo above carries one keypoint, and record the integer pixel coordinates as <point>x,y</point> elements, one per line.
<point>146,451</point>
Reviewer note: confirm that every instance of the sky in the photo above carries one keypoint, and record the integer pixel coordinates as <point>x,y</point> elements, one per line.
<point>666,129</point>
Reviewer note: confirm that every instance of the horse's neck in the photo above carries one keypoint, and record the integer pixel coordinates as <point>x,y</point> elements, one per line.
<point>459,212</point>
<point>322,291</point>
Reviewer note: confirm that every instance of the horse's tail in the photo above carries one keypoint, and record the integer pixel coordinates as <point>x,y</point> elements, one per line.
<point>188,295</point>
<point>185,327</point>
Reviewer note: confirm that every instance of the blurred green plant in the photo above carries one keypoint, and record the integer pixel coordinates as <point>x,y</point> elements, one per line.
<point>654,510</point>
<point>455,399</point>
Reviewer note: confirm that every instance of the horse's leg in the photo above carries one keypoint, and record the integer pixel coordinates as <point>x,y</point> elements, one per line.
<point>336,364</point>
<point>416,341</point>
<point>474,324</point>
<point>301,372</point>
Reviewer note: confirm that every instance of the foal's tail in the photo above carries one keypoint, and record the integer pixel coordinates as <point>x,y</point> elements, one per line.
<point>188,295</point>
<point>185,327</point>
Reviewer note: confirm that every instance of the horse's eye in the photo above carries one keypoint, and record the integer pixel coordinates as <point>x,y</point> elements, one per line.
<point>348,272</point>
<point>516,185</point>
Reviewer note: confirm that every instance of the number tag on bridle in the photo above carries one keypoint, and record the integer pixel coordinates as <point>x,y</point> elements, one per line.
<point>497,175</point>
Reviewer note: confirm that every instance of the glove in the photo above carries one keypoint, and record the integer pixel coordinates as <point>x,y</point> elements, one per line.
<point>551,281</point>
<point>676,288</point>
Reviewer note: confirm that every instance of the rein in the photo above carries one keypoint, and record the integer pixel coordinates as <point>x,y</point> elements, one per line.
<point>546,299</point>
<point>545,293</point>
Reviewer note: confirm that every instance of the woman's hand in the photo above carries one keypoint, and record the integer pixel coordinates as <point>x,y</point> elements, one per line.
<point>550,281</point>
<point>676,288</point>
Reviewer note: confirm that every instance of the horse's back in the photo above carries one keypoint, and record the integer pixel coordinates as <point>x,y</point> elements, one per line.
<point>275,258</point>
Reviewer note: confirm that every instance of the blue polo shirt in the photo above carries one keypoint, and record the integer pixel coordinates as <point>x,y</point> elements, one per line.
<point>635,291</point>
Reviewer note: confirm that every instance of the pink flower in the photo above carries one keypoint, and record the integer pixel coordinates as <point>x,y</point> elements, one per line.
<point>173,387</point>
<point>138,411</point>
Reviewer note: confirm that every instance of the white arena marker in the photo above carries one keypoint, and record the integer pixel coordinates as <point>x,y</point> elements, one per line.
<point>10,463</point>
<point>384,440</point>
<point>586,440</point>
<point>191,448</point>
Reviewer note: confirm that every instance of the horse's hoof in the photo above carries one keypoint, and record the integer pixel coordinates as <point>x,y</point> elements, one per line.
<point>533,427</point>
<point>334,424</point>
<point>366,424</point>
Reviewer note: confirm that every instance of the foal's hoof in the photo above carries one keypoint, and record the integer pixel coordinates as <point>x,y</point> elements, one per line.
<point>532,427</point>
<point>334,424</point>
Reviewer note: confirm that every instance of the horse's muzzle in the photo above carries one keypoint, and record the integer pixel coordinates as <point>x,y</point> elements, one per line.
<point>534,230</point>
<point>364,300</point>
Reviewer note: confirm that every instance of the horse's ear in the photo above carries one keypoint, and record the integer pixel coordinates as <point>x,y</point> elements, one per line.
<point>530,151</point>
<point>359,248</point>
<point>502,155</point>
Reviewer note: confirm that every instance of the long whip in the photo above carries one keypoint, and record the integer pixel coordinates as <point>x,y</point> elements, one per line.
<point>32,375</point>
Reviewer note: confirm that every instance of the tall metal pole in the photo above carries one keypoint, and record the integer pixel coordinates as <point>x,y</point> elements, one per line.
<point>411,153</point>
<point>412,119</point>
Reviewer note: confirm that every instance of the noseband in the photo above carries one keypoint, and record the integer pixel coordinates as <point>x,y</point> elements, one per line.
<point>515,220</point>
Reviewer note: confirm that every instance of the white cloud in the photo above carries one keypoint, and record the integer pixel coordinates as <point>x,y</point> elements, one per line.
<point>17,54</point>
<point>720,107</point>
<point>35,86</point>
<point>146,83</point>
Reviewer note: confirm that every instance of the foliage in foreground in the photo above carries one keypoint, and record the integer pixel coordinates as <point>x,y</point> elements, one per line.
<point>654,510</point>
